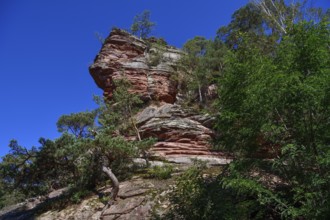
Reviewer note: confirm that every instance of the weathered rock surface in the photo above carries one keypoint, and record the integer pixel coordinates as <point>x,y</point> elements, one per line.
<point>151,70</point>
<point>147,68</point>
<point>27,209</point>
<point>136,200</point>
<point>209,160</point>
<point>179,131</point>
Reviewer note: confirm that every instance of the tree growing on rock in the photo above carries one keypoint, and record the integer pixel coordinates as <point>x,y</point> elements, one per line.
<point>202,63</point>
<point>142,26</point>
<point>105,149</point>
<point>117,116</point>
<point>83,157</point>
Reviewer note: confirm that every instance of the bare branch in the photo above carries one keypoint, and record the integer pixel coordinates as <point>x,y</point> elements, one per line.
<point>279,20</point>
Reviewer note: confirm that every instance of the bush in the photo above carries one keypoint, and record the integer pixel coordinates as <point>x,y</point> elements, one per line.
<point>161,172</point>
<point>196,197</point>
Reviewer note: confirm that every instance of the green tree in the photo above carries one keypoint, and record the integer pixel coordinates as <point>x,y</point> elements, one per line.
<point>79,124</point>
<point>56,162</point>
<point>40,170</point>
<point>195,49</point>
<point>117,116</point>
<point>201,65</point>
<point>82,157</point>
<point>117,123</point>
<point>248,21</point>
<point>198,197</point>
<point>280,104</point>
<point>17,170</point>
<point>142,26</point>
<point>282,15</point>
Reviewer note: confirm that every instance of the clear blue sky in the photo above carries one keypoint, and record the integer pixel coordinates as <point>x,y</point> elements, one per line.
<point>46,47</point>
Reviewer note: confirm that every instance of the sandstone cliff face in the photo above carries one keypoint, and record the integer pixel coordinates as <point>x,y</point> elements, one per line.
<point>151,69</point>
<point>179,131</point>
<point>148,69</point>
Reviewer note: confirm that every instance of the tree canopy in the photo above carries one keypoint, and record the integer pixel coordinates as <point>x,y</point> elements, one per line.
<point>142,26</point>
<point>273,115</point>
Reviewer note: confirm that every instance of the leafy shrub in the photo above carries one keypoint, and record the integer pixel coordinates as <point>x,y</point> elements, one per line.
<point>10,198</point>
<point>196,197</point>
<point>78,195</point>
<point>161,172</point>
<point>281,102</point>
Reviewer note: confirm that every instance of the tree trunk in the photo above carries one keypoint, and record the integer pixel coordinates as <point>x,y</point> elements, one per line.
<point>114,180</point>
<point>200,93</point>
<point>145,153</point>
<point>115,188</point>
<point>273,12</point>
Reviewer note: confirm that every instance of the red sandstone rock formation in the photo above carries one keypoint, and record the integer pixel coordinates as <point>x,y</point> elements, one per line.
<point>179,131</point>
<point>150,69</point>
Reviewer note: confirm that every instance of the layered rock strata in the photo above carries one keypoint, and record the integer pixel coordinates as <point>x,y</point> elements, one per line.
<point>179,131</point>
<point>151,69</point>
<point>147,66</point>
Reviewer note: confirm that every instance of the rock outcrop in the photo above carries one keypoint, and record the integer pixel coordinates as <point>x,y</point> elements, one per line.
<point>151,69</point>
<point>137,199</point>
<point>146,65</point>
<point>179,131</point>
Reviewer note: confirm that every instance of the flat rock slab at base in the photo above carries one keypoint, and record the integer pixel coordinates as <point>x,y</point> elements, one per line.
<point>132,202</point>
<point>123,206</point>
<point>211,161</point>
<point>132,193</point>
<point>88,209</point>
<point>140,213</point>
<point>128,190</point>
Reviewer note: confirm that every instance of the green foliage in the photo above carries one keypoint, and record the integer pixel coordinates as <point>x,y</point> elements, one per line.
<point>248,20</point>
<point>142,26</point>
<point>201,65</point>
<point>156,54</point>
<point>17,170</point>
<point>158,41</point>
<point>256,85</point>
<point>281,15</point>
<point>10,198</point>
<point>281,102</point>
<point>117,114</point>
<point>196,197</point>
<point>273,81</point>
<point>75,159</point>
<point>161,172</point>
<point>273,101</point>
<point>34,172</point>
<point>55,161</point>
<point>77,123</point>
<point>77,196</point>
